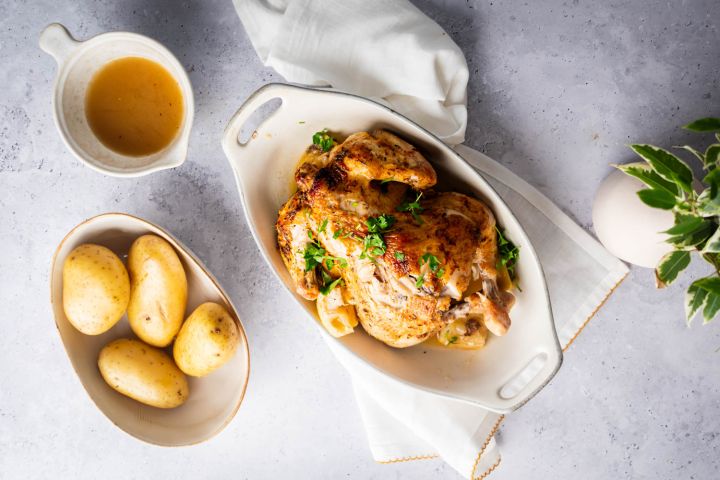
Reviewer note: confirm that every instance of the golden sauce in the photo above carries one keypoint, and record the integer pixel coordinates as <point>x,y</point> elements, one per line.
<point>134,106</point>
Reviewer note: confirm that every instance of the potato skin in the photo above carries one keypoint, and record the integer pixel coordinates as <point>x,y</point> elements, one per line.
<point>143,373</point>
<point>158,290</point>
<point>207,340</point>
<point>96,288</point>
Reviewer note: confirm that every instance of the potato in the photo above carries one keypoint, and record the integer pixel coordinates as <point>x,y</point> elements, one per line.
<point>207,340</point>
<point>336,314</point>
<point>143,373</point>
<point>96,288</point>
<point>158,290</point>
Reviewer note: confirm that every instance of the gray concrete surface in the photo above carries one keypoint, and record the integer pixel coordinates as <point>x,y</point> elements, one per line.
<point>556,91</point>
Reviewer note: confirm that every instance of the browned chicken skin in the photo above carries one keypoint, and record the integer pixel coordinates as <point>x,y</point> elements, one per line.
<point>415,285</point>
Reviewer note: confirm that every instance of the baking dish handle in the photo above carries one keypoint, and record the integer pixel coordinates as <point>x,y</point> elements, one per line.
<point>527,382</point>
<point>230,142</point>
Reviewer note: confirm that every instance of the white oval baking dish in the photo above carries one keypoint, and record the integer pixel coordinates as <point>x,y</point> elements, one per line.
<point>502,376</point>
<point>213,400</point>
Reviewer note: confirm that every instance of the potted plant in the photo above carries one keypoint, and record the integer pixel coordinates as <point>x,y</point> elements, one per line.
<point>671,185</point>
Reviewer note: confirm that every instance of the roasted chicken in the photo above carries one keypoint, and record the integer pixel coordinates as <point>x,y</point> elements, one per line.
<point>368,237</point>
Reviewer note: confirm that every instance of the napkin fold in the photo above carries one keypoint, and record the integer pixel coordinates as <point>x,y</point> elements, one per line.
<point>387,51</point>
<point>393,53</point>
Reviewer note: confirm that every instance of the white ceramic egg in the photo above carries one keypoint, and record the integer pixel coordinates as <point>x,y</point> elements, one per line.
<point>627,227</point>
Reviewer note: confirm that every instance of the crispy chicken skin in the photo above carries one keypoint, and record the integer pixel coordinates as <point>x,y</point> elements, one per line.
<point>398,296</point>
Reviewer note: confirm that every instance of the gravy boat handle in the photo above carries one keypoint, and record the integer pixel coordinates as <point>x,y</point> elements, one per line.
<point>58,42</point>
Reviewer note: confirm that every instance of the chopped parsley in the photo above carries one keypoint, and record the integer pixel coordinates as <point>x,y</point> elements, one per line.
<point>316,256</point>
<point>433,264</point>
<point>328,283</point>
<point>380,224</point>
<point>399,256</point>
<point>452,339</point>
<point>508,253</point>
<point>374,242</point>
<point>323,226</point>
<point>414,208</point>
<point>323,140</point>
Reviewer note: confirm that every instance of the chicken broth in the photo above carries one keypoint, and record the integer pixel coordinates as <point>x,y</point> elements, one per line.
<point>134,106</point>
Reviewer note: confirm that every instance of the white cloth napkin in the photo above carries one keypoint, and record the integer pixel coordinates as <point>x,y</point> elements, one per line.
<point>392,52</point>
<point>385,50</point>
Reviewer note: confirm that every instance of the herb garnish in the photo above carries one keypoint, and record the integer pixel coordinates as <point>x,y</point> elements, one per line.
<point>414,208</point>
<point>508,253</point>
<point>452,339</point>
<point>399,256</point>
<point>323,226</point>
<point>434,265</point>
<point>329,283</point>
<point>323,140</point>
<point>374,242</point>
<point>316,256</point>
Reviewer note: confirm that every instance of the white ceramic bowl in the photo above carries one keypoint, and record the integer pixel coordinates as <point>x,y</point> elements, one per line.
<point>213,400</point>
<point>502,376</point>
<point>77,64</point>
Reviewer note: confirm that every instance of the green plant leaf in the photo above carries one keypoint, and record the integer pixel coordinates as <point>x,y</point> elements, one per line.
<point>703,293</point>
<point>685,224</point>
<point>713,243</point>
<point>707,206</point>
<point>649,177</point>
<point>695,152</point>
<point>657,198</point>
<point>691,240</point>
<point>713,179</point>
<point>704,125</point>
<point>694,300</point>
<point>667,165</point>
<point>712,154</point>
<point>671,265</point>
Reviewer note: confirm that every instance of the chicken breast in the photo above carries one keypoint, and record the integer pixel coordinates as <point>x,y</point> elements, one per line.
<point>365,219</point>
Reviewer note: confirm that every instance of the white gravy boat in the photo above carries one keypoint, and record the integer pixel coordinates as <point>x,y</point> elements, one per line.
<point>77,63</point>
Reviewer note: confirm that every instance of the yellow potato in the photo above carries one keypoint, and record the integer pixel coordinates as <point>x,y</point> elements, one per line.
<point>207,340</point>
<point>336,314</point>
<point>96,288</point>
<point>143,373</point>
<point>158,290</point>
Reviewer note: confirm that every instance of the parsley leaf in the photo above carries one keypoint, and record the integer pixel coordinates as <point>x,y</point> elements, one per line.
<point>400,256</point>
<point>433,263</point>
<point>314,255</point>
<point>380,223</point>
<point>508,253</point>
<point>374,242</point>
<point>414,208</point>
<point>452,339</point>
<point>323,226</point>
<point>328,283</point>
<point>323,140</point>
